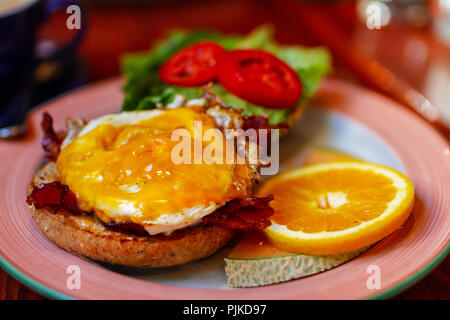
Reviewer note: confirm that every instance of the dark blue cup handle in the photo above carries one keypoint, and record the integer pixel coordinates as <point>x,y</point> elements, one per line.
<point>52,6</point>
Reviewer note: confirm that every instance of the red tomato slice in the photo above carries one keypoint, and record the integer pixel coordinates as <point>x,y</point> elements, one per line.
<point>260,78</point>
<point>192,66</point>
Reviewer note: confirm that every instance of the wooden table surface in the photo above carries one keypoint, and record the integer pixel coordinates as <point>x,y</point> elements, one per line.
<point>116,29</point>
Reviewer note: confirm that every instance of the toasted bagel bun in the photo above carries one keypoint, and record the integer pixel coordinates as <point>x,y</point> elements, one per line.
<point>87,236</point>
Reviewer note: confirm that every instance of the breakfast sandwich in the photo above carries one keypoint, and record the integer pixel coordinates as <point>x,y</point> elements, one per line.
<point>112,192</point>
<point>121,189</point>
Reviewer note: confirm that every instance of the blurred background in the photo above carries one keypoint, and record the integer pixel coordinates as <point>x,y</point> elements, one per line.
<point>406,47</point>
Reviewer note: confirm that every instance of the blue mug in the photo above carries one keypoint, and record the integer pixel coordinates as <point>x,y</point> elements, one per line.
<point>19,23</point>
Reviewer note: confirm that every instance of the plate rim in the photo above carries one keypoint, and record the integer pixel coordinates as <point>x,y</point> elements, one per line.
<point>55,294</point>
<point>388,293</point>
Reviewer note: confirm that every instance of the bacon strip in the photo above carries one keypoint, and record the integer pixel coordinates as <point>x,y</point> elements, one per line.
<point>54,195</point>
<point>128,227</point>
<point>247,214</point>
<point>261,122</point>
<point>52,140</point>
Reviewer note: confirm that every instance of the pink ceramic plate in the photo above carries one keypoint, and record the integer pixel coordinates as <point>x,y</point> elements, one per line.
<point>403,258</point>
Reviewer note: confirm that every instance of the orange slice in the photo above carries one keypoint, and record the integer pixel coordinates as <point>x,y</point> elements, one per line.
<point>336,207</point>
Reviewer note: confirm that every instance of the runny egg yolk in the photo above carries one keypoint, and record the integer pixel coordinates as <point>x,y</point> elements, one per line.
<point>125,173</point>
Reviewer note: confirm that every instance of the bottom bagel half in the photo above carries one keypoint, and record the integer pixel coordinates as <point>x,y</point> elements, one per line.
<point>85,235</point>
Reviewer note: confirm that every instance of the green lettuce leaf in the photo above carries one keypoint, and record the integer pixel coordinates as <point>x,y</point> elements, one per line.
<point>275,115</point>
<point>144,90</point>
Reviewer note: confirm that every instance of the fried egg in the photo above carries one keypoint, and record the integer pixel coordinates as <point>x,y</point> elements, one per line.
<point>120,167</point>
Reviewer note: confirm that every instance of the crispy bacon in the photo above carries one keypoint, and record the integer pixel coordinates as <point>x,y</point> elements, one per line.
<point>261,122</point>
<point>128,227</point>
<point>247,214</point>
<point>52,140</point>
<point>53,195</point>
